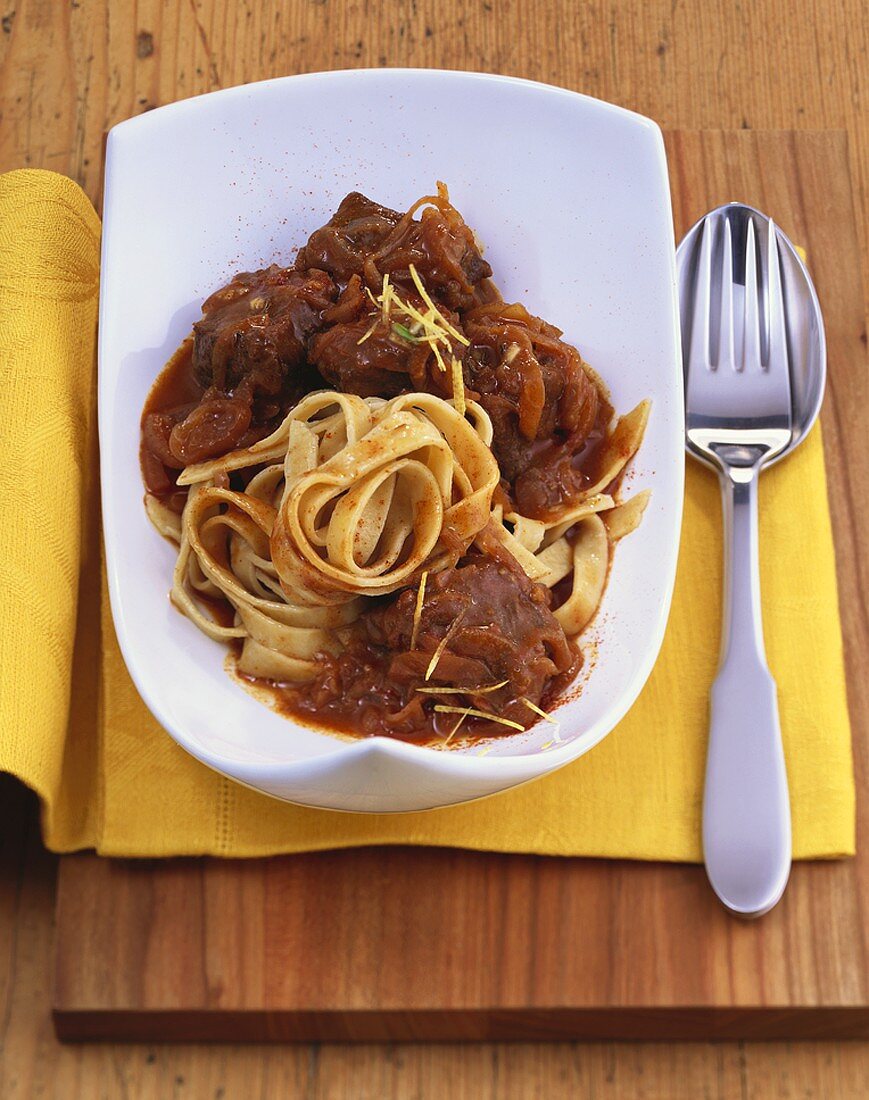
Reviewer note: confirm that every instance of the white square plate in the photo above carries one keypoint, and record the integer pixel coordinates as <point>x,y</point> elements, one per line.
<point>570,196</point>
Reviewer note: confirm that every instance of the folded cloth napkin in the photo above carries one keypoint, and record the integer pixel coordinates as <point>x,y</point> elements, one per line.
<point>73,728</point>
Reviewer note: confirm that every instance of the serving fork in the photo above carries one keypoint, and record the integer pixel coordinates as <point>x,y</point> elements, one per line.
<point>754,365</point>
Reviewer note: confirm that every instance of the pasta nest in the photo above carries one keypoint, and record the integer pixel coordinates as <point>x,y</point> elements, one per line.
<point>355,497</point>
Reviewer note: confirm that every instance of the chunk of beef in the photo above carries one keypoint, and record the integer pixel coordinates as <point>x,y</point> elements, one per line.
<point>544,407</point>
<point>442,249</point>
<point>499,630</point>
<point>366,239</point>
<point>356,229</point>
<point>256,329</point>
<point>363,354</point>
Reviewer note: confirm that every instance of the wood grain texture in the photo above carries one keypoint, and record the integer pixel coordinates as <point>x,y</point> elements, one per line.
<point>337,945</point>
<point>68,72</point>
<point>33,1064</point>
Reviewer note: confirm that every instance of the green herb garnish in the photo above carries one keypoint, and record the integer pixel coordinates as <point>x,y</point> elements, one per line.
<point>404,332</point>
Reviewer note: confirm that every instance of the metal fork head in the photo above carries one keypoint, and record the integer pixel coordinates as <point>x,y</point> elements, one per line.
<point>735,339</point>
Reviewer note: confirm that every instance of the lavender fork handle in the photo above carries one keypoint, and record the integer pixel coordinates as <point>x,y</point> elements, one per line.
<point>746,813</point>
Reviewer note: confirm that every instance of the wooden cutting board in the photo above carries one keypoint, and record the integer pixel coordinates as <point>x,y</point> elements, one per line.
<point>401,943</point>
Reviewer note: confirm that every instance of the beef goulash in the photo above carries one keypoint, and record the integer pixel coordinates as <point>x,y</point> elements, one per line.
<point>394,494</point>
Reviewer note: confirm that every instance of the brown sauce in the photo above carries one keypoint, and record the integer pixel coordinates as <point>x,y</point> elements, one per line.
<point>349,718</point>
<point>176,384</point>
<point>175,389</point>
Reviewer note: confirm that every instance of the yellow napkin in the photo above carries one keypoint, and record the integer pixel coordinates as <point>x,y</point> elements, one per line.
<point>74,729</point>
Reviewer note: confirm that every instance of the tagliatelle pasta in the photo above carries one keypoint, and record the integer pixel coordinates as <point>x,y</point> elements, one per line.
<point>356,497</point>
<point>410,494</point>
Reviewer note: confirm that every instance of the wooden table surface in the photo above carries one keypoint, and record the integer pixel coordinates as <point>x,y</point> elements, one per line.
<point>68,71</point>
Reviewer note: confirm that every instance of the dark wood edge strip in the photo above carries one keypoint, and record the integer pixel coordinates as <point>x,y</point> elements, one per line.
<point>437,1025</point>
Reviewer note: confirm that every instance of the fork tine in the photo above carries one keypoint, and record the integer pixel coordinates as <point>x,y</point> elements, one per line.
<point>702,307</point>
<point>751,358</point>
<point>777,347</point>
<point>726,357</point>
